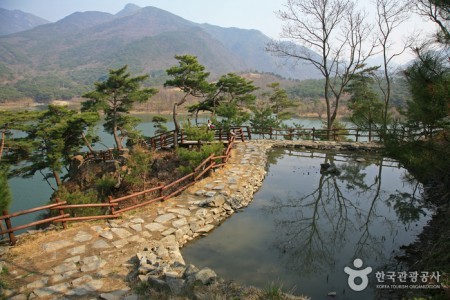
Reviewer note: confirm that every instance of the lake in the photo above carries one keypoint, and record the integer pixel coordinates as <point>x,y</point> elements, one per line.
<point>303,226</point>
<point>33,192</point>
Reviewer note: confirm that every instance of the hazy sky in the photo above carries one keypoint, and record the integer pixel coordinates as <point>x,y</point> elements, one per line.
<point>248,14</point>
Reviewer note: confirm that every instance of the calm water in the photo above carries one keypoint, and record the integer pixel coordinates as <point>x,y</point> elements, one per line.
<point>304,227</point>
<point>33,192</point>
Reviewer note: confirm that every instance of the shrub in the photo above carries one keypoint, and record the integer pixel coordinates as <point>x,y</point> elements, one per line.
<point>190,159</point>
<point>79,197</point>
<point>138,163</point>
<point>200,133</point>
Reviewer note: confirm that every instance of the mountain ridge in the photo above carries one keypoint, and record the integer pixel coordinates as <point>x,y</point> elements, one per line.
<point>80,48</point>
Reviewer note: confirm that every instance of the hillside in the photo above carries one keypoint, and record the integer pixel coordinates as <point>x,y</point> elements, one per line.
<point>63,59</point>
<point>12,21</point>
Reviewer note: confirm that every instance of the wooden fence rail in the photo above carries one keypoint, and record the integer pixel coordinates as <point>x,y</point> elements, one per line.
<point>163,192</point>
<point>159,193</point>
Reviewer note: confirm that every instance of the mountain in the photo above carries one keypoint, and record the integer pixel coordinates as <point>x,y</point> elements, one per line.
<point>12,21</point>
<point>64,59</point>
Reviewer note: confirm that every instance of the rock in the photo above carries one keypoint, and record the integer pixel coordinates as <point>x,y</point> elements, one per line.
<point>205,229</point>
<point>65,267</point>
<point>59,289</point>
<point>81,280</point>
<point>17,297</point>
<point>162,252</point>
<point>181,232</point>
<point>144,269</point>
<point>205,275</point>
<point>175,285</point>
<point>64,276</point>
<point>53,246</point>
<point>101,244</point>
<point>167,232</point>
<point>158,284</point>
<point>136,227</point>
<point>92,263</point>
<point>74,259</point>
<point>120,243</point>
<point>38,283</point>
<point>155,227</point>
<point>190,270</point>
<point>200,192</point>
<point>137,221</point>
<point>107,235</point>
<point>115,295</point>
<point>210,194</point>
<point>82,237</point>
<point>86,288</point>
<point>169,240</point>
<point>97,229</point>
<point>131,297</point>
<point>180,223</point>
<point>121,232</point>
<point>180,211</point>
<point>165,218</point>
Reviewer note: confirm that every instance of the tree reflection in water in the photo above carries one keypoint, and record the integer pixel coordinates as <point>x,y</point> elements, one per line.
<point>343,211</point>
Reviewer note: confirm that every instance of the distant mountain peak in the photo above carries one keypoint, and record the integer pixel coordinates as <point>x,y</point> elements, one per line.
<point>129,9</point>
<point>12,21</point>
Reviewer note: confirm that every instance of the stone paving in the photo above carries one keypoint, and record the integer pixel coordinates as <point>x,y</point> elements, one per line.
<point>96,260</point>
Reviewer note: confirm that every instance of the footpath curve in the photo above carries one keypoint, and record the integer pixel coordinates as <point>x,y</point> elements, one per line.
<point>98,260</point>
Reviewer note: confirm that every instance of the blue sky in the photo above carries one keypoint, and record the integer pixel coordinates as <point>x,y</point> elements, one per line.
<point>248,14</point>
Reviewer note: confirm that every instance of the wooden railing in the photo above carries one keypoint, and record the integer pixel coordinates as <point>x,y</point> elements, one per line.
<point>114,207</point>
<point>314,134</point>
<point>167,140</point>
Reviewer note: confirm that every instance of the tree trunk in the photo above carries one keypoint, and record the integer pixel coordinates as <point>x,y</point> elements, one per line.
<point>57,178</point>
<point>2,145</point>
<point>174,115</point>
<point>117,139</point>
<point>86,142</point>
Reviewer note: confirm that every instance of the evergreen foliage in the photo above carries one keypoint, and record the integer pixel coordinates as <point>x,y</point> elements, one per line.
<point>116,97</point>
<point>159,124</point>
<point>191,78</point>
<point>191,159</point>
<point>429,81</point>
<point>367,107</point>
<point>55,137</point>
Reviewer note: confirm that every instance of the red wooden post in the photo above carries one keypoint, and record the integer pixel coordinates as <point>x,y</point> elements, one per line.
<point>357,134</point>
<point>314,131</point>
<point>12,238</point>
<point>160,190</point>
<point>61,212</point>
<point>111,207</point>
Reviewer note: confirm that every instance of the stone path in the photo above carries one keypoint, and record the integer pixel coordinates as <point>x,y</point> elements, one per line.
<point>94,260</point>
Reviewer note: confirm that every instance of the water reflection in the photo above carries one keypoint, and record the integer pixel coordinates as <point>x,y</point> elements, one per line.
<point>307,225</point>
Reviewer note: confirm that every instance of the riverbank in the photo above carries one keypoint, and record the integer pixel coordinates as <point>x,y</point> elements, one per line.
<point>139,255</point>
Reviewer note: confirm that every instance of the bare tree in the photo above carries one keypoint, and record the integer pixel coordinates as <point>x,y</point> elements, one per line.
<point>437,11</point>
<point>334,29</point>
<point>390,14</point>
